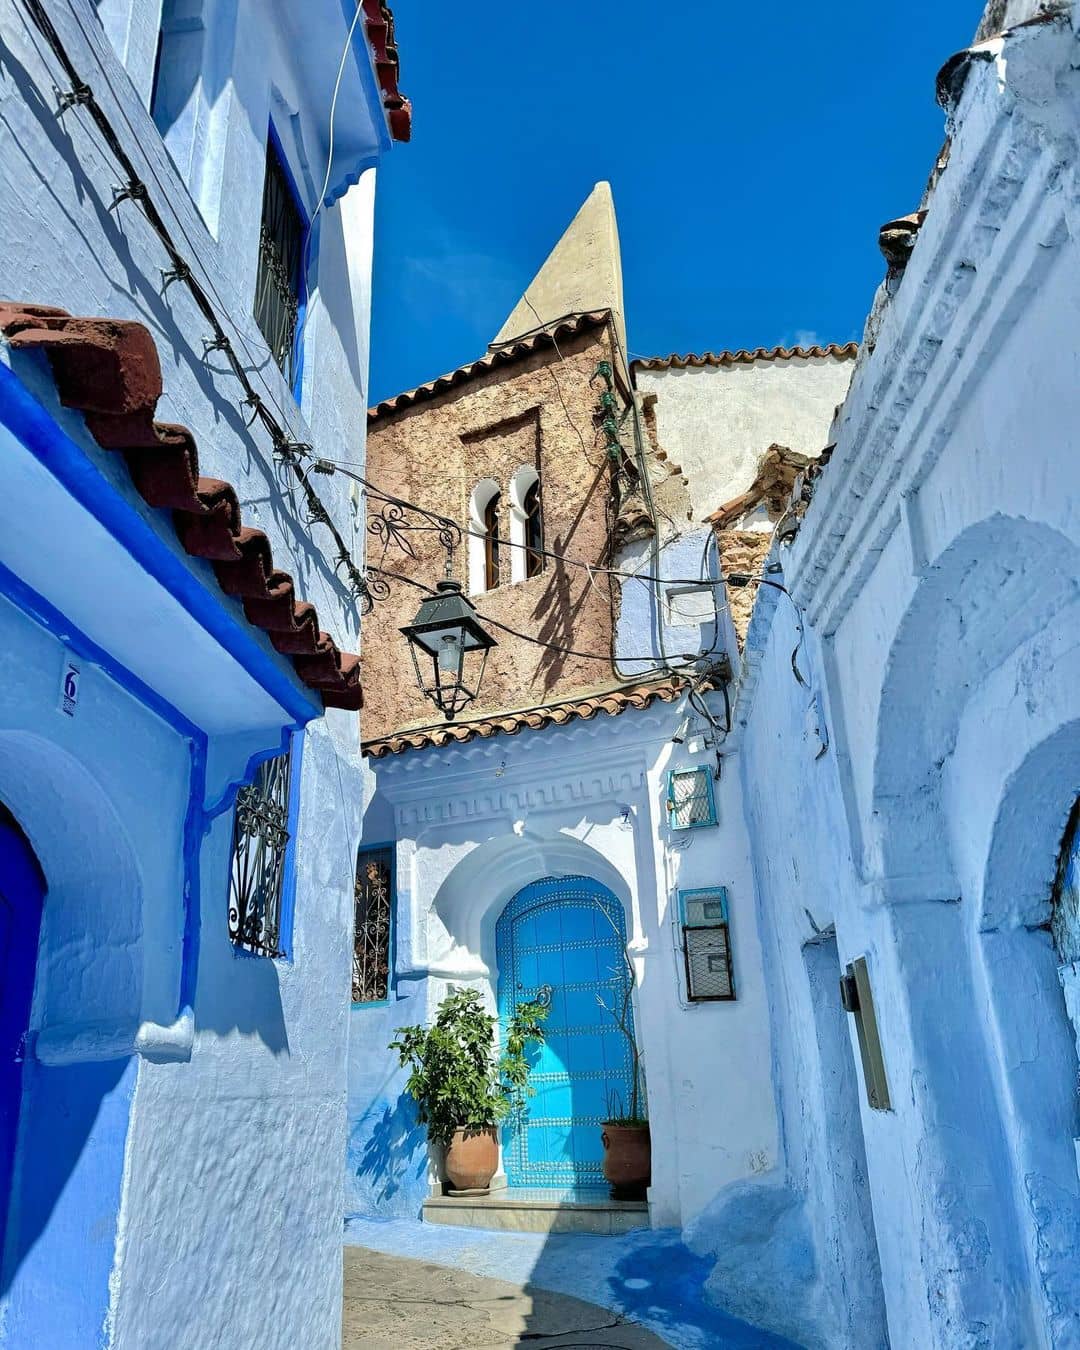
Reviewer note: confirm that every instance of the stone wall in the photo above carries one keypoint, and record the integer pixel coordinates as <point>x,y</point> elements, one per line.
<point>539,410</point>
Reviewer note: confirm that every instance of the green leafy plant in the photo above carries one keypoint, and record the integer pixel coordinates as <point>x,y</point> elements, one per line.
<point>457,1078</point>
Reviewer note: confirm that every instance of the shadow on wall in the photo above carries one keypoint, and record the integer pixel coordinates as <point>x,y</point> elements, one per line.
<point>388,1160</point>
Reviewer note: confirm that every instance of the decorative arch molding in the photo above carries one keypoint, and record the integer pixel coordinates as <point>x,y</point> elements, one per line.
<point>483,494</point>
<point>471,898</point>
<point>997,585</point>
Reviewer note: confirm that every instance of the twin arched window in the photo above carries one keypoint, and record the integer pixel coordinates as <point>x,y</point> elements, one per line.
<point>491,555</point>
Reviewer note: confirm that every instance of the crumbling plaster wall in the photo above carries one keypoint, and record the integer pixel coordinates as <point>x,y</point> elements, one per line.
<point>716,422</point>
<point>434,454</point>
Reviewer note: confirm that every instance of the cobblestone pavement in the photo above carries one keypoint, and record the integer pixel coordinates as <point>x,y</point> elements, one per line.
<point>394,1303</point>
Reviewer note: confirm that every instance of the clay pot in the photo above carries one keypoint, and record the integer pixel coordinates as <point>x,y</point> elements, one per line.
<point>627,1159</point>
<point>472,1158</point>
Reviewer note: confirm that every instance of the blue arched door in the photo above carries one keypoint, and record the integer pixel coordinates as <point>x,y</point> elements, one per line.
<point>22,892</point>
<point>565,936</point>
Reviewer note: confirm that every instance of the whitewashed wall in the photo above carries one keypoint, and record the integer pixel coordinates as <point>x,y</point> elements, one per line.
<point>716,422</point>
<point>513,810</point>
<point>938,571</point>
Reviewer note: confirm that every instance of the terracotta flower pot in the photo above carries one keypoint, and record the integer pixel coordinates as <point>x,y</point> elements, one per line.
<point>472,1158</point>
<point>627,1159</point>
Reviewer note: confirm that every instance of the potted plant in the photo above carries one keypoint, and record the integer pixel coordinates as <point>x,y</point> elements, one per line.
<point>462,1086</point>
<point>625,1133</point>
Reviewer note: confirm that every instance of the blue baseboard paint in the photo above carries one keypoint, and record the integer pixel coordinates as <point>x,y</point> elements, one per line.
<point>648,1275</point>
<point>65,1205</point>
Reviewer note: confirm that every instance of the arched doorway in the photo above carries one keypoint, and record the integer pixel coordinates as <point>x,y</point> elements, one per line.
<point>563,939</point>
<point>22,893</point>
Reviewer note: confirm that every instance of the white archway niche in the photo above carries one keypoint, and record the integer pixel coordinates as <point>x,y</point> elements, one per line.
<point>481,496</point>
<point>521,485</point>
<point>467,904</point>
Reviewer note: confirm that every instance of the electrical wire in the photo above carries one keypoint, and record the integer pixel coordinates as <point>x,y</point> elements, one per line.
<point>180,269</point>
<point>468,530</point>
<point>526,637</point>
<point>135,189</point>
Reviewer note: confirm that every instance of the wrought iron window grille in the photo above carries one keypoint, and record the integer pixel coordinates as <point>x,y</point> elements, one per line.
<point>260,842</point>
<point>281,249</point>
<point>373,911</point>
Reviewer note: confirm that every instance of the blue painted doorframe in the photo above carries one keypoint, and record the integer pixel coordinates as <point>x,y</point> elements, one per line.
<point>22,895</point>
<point>565,935</point>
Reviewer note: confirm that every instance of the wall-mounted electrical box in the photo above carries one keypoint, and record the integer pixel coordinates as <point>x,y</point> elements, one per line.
<point>707,945</point>
<point>858,999</point>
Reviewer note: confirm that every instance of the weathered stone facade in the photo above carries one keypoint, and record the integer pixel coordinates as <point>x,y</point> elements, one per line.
<point>539,410</point>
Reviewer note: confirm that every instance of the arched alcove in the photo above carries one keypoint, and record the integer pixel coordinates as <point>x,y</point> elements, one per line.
<point>90,960</point>
<point>484,552</point>
<point>473,895</point>
<point>526,524</point>
<point>969,764</point>
<point>999,583</point>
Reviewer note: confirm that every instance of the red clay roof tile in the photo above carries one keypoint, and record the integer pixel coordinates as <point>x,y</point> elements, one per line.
<point>379,23</point>
<point>743,356</point>
<point>108,370</point>
<point>546,337</point>
<point>611,701</point>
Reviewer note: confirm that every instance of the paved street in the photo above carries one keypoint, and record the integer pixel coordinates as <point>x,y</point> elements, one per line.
<point>394,1303</point>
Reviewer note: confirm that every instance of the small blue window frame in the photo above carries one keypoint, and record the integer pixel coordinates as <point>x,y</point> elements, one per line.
<point>389,846</point>
<point>713,892</point>
<point>701,771</point>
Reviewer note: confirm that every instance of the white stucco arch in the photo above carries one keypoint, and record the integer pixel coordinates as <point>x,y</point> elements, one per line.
<point>481,496</point>
<point>521,484</point>
<point>474,894</point>
<point>90,956</point>
<point>977,764</point>
<point>89,965</point>
<point>999,582</point>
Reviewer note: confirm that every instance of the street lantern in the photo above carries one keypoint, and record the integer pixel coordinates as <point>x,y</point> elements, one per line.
<point>447,633</point>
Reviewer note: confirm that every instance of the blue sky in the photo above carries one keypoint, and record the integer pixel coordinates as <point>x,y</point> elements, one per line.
<point>753,151</point>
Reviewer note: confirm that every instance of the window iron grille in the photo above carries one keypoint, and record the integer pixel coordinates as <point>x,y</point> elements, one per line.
<point>371,941</point>
<point>707,945</point>
<point>281,248</point>
<point>690,799</point>
<point>260,841</point>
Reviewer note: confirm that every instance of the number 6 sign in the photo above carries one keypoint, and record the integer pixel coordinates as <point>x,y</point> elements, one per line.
<point>69,687</point>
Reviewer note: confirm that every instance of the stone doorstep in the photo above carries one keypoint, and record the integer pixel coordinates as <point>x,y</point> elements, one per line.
<point>505,1212</point>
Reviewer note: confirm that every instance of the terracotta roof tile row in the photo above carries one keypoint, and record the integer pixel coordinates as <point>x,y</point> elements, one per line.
<point>379,24</point>
<point>108,369</point>
<point>744,356</point>
<point>610,701</point>
<point>548,337</point>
